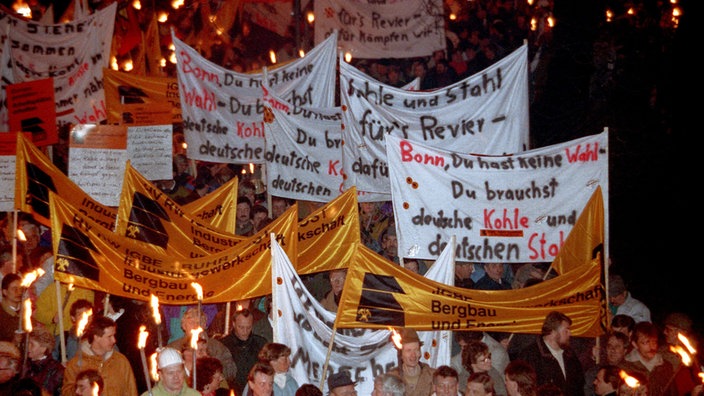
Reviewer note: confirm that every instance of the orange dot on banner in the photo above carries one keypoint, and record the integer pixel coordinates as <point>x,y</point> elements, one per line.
<point>406,205</point>
<point>279,281</point>
<point>414,185</point>
<point>434,343</point>
<point>278,312</point>
<point>426,355</point>
<point>342,127</point>
<point>409,180</point>
<point>344,176</point>
<point>344,107</point>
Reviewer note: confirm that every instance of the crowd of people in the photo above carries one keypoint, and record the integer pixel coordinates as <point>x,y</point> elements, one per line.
<point>98,353</point>
<point>100,346</point>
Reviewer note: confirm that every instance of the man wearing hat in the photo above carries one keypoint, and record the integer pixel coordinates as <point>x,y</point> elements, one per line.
<point>417,376</point>
<point>622,302</point>
<point>9,366</point>
<point>172,375</point>
<point>341,384</point>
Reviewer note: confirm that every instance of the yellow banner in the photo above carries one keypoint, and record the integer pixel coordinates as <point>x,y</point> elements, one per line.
<point>149,215</point>
<point>329,236</point>
<point>123,89</point>
<point>36,176</point>
<point>379,294</point>
<point>586,238</point>
<point>218,208</point>
<point>89,256</point>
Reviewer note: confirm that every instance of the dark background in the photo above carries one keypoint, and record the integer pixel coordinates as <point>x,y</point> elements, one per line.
<point>653,210</point>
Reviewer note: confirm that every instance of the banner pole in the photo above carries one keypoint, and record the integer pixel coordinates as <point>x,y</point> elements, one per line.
<point>327,357</point>
<point>59,308</point>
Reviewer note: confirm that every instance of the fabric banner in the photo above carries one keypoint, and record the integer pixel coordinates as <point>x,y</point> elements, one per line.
<point>149,215</point>
<point>8,149</point>
<point>89,256</point>
<point>378,294</point>
<point>125,89</point>
<point>223,110</point>
<point>307,328</point>
<point>72,53</point>
<point>587,237</point>
<point>36,176</point>
<point>509,209</point>
<point>486,113</point>
<point>328,237</point>
<point>217,209</point>
<point>388,29</point>
<point>303,150</point>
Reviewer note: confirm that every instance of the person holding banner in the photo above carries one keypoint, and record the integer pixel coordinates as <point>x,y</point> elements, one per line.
<point>279,357</point>
<point>520,378</point>
<point>445,382</point>
<point>11,305</point>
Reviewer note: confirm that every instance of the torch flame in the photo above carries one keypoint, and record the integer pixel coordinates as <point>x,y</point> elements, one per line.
<point>396,338</point>
<point>194,337</point>
<point>143,334</point>
<point>199,290</point>
<point>95,389</point>
<point>685,341</point>
<point>83,321</point>
<point>686,357</point>
<point>30,277</point>
<point>630,381</point>
<point>27,320</point>
<point>155,309</point>
<point>69,287</point>
<point>153,367</point>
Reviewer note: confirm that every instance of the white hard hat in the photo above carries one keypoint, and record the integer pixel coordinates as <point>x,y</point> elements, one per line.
<point>169,357</point>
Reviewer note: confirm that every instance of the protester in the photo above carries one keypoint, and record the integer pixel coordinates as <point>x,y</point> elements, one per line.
<point>387,384</point>
<point>279,357</point>
<point>417,376</point>
<point>607,380</point>
<point>9,367</point>
<point>260,380</point>
<point>71,337</point>
<point>645,359</point>
<point>552,358</point>
<point>308,390</point>
<point>341,384</point>
<point>11,304</point>
<point>445,382</point>
<point>193,319</point>
<point>172,375</point>
<point>89,383</point>
<point>41,365</point>
<point>623,303</point>
<point>97,351</point>
<point>480,384</point>
<point>337,281</point>
<point>476,358</point>
<point>244,347</point>
<point>520,379</point>
<point>209,377</point>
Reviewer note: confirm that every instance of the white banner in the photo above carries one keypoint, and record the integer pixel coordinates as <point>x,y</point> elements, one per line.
<point>388,29</point>
<point>223,110</point>
<point>486,113</point>
<point>508,209</point>
<point>303,151</point>
<point>73,53</point>
<point>307,328</point>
